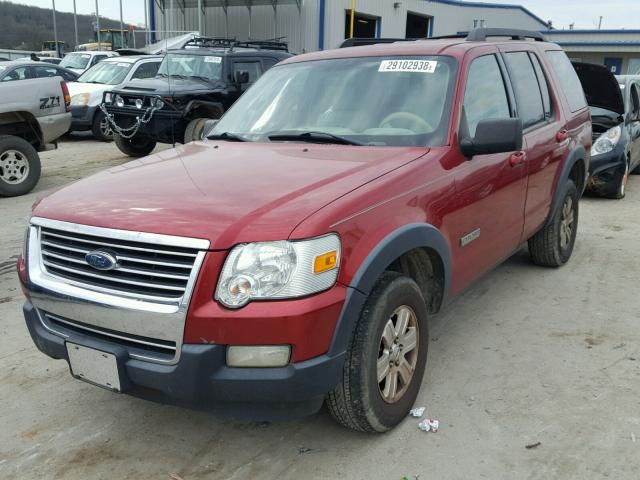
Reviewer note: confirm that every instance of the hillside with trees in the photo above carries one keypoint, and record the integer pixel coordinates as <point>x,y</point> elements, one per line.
<point>25,27</point>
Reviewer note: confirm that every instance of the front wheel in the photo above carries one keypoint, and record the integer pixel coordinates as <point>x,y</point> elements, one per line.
<point>137,146</point>
<point>101,128</point>
<point>386,359</point>
<point>19,166</point>
<point>553,245</point>
<point>621,188</point>
<point>195,129</point>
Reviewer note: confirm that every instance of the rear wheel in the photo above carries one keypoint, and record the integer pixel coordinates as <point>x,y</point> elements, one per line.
<point>386,358</point>
<point>194,130</point>
<point>553,245</point>
<point>19,166</point>
<point>138,146</point>
<point>101,128</point>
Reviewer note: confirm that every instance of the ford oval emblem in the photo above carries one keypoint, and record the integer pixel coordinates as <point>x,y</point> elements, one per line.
<point>101,260</point>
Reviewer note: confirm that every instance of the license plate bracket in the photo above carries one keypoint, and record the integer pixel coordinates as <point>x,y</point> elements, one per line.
<point>94,366</point>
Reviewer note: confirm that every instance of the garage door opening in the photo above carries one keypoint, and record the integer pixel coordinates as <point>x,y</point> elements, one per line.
<point>418,26</point>
<point>363,26</point>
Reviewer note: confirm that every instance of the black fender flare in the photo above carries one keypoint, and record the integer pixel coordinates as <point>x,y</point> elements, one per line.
<point>578,154</point>
<point>392,246</point>
<point>193,104</point>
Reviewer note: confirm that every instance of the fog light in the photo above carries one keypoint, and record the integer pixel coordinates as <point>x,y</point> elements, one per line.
<point>119,101</point>
<point>258,356</point>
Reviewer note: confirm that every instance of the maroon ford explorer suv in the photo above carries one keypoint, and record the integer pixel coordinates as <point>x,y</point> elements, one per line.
<point>297,254</point>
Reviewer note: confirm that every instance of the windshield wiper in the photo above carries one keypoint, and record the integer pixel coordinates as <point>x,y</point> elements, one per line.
<point>312,137</point>
<point>231,137</point>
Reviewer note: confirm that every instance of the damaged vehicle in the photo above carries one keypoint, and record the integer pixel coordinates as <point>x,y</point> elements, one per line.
<point>615,112</point>
<point>193,85</point>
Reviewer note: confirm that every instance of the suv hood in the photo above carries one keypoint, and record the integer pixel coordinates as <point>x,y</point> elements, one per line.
<point>600,87</point>
<point>225,192</point>
<point>164,86</point>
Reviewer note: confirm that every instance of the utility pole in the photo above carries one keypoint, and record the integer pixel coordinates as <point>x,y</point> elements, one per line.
<point>353,16</point>
<point>121,27</point>
<point>75,22</point>
<point>55,29</point>
<point>600,23</point>
<point>98,25</point>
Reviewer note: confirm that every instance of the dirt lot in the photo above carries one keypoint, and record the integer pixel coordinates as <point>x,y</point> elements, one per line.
<point>527,356</point>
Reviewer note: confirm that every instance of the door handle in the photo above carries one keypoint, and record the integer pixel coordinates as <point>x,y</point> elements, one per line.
<point>561,136</point>
<point>517,158</point>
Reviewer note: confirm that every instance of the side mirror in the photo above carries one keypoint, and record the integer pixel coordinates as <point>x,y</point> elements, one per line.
<point>209,125</point>
<point>496,135</point>
<point>242,77</point>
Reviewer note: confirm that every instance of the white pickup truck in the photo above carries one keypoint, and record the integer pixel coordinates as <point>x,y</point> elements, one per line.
<point>34,113</point>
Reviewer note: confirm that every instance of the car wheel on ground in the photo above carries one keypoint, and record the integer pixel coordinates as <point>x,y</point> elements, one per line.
<point>138,146</point>
<point>194,130</point>
<point>386,358</point>
<point>101,128</point>
<point>621,188</point>
<point>19,166</point>
<point>553,244</point>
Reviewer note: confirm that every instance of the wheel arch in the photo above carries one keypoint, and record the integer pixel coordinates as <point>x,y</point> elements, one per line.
<point>576,168</point>
<point>204,109</point>
<point>23,125</point>
<point>402,250</point>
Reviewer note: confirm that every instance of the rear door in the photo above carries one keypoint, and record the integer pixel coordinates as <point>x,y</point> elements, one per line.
<point>541,122</point>
<point>633,119</point>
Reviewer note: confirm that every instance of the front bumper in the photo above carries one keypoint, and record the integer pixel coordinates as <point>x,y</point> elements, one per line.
<point>166,125</point>
<point>82,117</point>
<point>202,380</point>
<point>606,170</point>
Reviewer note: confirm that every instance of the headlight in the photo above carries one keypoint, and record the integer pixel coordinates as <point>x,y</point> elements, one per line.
<point>277,270</point>
<point>607,141</point>
<point>119,101</point>
<point>80,100</point>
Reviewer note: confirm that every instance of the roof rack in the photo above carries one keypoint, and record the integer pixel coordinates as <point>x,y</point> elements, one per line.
<point>481,34</point>
<point>475,35</point>
<point>231,43</point>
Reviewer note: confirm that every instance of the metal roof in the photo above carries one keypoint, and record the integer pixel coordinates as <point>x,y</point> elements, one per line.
<point>227,3</point>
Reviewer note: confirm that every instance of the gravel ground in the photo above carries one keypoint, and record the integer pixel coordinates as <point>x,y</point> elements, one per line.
<point>526,357</point>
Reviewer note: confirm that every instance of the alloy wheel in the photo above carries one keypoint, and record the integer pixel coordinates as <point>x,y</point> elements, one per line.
<point>567,223</point>
<point>398,354</point>
<point>14,167</point>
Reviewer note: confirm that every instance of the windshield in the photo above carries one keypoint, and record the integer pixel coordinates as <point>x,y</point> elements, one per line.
<point>373,100</point>
<point>108,73</point>
<point>206,67</point>
<point>75,60</point>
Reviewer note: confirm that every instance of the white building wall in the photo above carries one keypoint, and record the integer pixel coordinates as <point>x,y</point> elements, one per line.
<point>302,27</point>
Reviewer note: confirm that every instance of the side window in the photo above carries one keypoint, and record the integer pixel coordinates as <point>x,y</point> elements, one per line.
<point>19,73</point>
<point>485,95</point>
<point>568,79</point>
<point>544,85</point>
<point>41,71</point>
<point>146,70</point>
<point>526,88</point>
<point>254,69</point>
<point>634,99</point>
<point>267,63</point>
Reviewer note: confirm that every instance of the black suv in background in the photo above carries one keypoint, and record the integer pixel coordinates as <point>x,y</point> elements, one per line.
<point>194,84</point>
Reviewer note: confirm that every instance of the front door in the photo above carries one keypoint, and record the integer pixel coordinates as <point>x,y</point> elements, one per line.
<point>490,189</point>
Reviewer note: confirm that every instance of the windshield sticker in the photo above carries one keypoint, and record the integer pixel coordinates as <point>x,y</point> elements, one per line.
<point>418,66</point>
<point>213,59</point>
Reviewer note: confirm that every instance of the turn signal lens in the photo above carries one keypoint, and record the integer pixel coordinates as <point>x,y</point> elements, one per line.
<point>325,262</point>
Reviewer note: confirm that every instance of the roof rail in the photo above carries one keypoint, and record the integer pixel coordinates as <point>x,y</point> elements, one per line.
<point>361,41</point>
<point>481,34</point>
<point>231,43</point>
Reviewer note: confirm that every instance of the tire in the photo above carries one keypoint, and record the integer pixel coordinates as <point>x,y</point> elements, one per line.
<point>553,244</point>
<point>100,128</point>
<point>136,146</point>
<point>19,166</point>
<point>194,130</point>
<point>358,401</point>
<point>620,189</point>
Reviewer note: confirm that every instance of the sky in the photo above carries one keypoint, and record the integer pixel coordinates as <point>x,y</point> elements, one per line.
<point>584,13</point>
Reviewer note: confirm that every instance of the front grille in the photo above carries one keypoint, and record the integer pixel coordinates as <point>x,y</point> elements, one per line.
<point>144,270</point>
<point>137,346</point>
